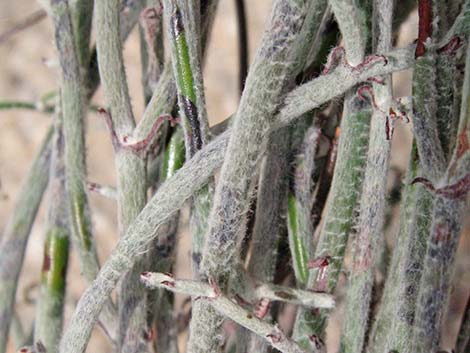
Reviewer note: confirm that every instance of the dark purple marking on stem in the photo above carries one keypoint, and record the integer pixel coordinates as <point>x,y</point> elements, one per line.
<point>284,295</point>
<point>424,26</point>
<point>177,26</point>
<point>316,341</point>
<point>457,190</point>
<point>451,47</point>
<point>46,264</point>
<point>191,113</point>
<point>142,146</point>
<point>319,262</point>
<point>169,284</point>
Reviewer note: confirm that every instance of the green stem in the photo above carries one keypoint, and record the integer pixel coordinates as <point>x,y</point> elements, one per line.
<point>15,236</point>
<point>49,315</point>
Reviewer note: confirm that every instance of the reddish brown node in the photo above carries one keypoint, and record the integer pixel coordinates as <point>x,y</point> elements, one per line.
<point>262,308</point>
<point>169,284</point>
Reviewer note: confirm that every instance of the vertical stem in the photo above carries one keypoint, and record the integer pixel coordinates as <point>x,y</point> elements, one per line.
<point>443,239</point>
<point>339,217</point>
<point>50,306</point>
<point>393,327</point>
<point>258,104</point>
<point>347,179</point>
<point>163,253</point>
<point>130,169</point>
<point>299,220</point>
<point>268,221</point>
<point>16,233</point>
<point>242,44</point>
<point>372,202</point>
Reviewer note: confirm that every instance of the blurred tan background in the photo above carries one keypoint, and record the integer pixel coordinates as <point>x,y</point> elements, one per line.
<point>24,76</point>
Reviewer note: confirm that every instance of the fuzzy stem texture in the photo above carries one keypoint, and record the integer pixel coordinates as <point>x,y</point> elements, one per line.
<point>191,178</point>
<point>130,167</point>
<point>372,203</point>
<point>50,306</point>
<point>232,196</point>
<point>16,233</point>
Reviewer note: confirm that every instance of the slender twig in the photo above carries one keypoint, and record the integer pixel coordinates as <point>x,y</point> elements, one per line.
<point>268,227</point>
<point>242,44</point>
<point>50,306</point>
<point>152,50</point>
<point>4,105</point>
<point>16,233</point>
<point>212,296</point>
<point>29,21</point>
<point>81,13</point>
<point>130,167</point>
<point>162,253</point>
<point>347,180</point>
<point>299,204</point>
<point>393,326</point>
<point>190,178</point>
<point>305,298</point>
<point>75,164</point>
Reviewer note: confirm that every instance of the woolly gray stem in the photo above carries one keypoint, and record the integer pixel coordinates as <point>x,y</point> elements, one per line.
<point>130,168</point>
<point>151,46</point>
<point>250,127</point>
<point>16,233</point>
<point>300,228</point>
<point>81,13</point>
<point>347,180</point>
<point>372,203</point>
<point>74,142</point>
<point>325,87</point>
<point>189,179</point>
<point>393,327</point>
<point>424,117</point>
<point>50,305</point>
<point>269,220</point>
<point>443,239</point>
<point>167,200</point>
<point>224,306</point>
<point>162,253</point>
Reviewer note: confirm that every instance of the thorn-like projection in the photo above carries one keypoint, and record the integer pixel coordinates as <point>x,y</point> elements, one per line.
<point>457,190</point>
<point>320,263</point>
<point>376,79</point>
<point>276,335</point>
<point>451,47</point>
<point>366,89</point>
<point>150,334</point>
<point>262,308</point>
<point>106,191</point>
<point>338,55</point>
<point>215,289</point>
<point>126,142</point>
<point>38,347</point>
<point>317,343</point>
